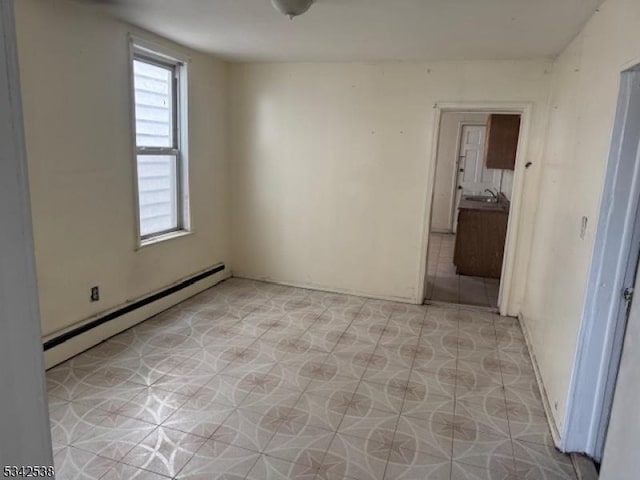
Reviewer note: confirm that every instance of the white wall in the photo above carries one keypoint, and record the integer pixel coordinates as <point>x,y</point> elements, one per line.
<point>506,184</point>
<point>330,166</point>
<point>77,107</point>
<point>585,90</point>
<point>446,161</point>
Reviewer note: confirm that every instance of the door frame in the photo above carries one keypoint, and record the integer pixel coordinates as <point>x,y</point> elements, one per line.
<point>524,109</point>
<point>25,436</point>
<point>604,314</point>
<point>456,167</point>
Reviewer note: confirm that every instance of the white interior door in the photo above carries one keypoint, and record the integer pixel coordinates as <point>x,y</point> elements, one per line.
<point>620,458</point>
<point>25,435</point>
<point>472,176</point>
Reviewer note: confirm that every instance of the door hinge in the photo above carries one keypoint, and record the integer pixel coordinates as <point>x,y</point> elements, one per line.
<point>627,293</point>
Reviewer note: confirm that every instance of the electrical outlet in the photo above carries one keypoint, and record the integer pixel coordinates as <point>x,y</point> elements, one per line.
<point>95,294</point>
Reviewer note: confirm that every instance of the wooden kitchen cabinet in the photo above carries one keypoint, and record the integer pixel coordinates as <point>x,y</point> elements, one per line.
<point>480,239</point>
<point>502,141</point>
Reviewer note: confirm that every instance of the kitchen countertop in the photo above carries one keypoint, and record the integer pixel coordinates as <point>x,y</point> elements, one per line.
<point>501,206</point>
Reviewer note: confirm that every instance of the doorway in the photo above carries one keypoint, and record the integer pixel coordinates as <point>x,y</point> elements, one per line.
<point>471,203</point>
<point>472,175</point>
<point>611,282</point>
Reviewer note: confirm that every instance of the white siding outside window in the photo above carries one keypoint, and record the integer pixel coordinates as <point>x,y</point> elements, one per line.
<point>154,104</point>
<point>157,194</point>
<point>158,153</point>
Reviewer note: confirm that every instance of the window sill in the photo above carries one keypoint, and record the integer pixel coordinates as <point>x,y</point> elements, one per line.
<point>163,238</point>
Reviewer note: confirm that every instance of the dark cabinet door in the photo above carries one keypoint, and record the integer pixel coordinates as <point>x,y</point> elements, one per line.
<point>480,242</point>
<point>502,141</point>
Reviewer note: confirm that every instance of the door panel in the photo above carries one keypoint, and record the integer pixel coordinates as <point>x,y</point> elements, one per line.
<point>473,176</point>
<point>620,459</point>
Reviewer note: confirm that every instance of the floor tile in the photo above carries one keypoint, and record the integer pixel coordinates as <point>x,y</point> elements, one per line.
<point>189,377</point>
<point>217,460</point>
<point>153,405</point>
<point>75,464</point>
<point>461,471</point>
<point>320,410</point>
<point>54,403</point>
<point>271,400</point>
<point>144,370</point>
<point>357,457</point>
<point>271,468</point>
<point>336,318</point>
<point>101,376</point>
<point>363,331</point>
<point>115,437</point>
<point>347,385</point>
<point>440,344</point>
<point>324,340</point>
<point>164,451</point>
<point>349,364</point>
<point>523,410</point>
<point>299,443</point>
<point>287,374</point>
<point>122,471</point>
<point>410,465</point>
<point>247,429</point>
<point>198,417</point>
<point>390,372</point>
<point>438,378</point>
<point>367,423</point>
<point>474,385</point>
<point>444,285</point>
<point>534,429</point>
<point>424,404</point>
<point>424,435</point>
<point>487,362</point>
<point>490,416</point>
<point>522,386</point>
<point>250,379</point>
<point>74,420</point>
<point>111,399</point>
<point>380,396</point>
<point>481,449</point>
<point>222,389</point>
<point>534,461</point>
<point>57,447</point>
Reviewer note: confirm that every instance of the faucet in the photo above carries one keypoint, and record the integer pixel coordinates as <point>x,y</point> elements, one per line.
<point>493,194</point>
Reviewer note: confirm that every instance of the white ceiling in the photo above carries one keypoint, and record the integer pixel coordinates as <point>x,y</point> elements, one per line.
<point>363,30</point>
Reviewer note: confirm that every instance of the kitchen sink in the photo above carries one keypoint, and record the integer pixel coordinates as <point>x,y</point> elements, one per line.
<point>481,198</point>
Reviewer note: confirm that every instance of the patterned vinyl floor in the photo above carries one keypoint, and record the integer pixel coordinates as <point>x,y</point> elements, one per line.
<point>259,381</point>
<point>445,285</point>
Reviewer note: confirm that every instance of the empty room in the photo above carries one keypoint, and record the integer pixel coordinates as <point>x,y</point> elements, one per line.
<point>319,239</point>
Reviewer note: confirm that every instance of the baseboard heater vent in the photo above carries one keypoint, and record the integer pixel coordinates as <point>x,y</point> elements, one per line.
<point>54,342</point>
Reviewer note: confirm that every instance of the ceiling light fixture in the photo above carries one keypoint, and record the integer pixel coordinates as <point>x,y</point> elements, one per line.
<point>292,8</point>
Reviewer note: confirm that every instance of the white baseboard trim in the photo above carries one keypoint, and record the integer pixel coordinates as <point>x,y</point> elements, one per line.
<point>323,288</point>
<point>555,432</point>
<point>91,338</point>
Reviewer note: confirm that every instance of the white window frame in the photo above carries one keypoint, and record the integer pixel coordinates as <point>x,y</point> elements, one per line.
<point>141,49</point>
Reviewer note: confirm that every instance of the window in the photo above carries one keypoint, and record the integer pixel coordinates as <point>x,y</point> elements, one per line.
<point>158,87</point>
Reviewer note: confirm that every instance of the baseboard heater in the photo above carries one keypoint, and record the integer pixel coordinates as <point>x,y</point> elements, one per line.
<point>54,342</point>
